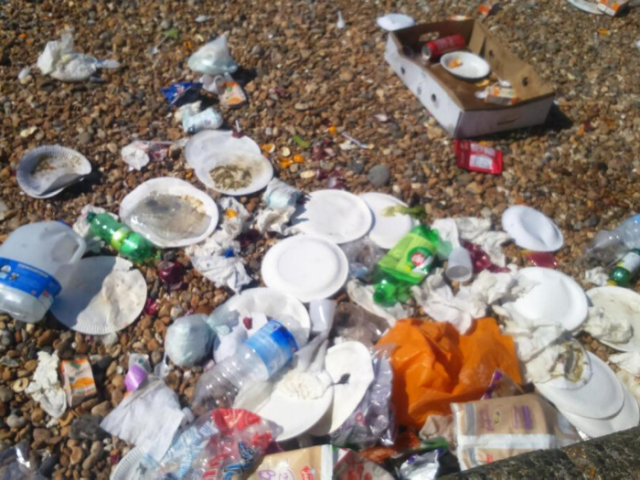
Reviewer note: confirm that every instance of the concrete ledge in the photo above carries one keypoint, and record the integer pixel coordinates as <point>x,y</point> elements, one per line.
<point>616,456</point>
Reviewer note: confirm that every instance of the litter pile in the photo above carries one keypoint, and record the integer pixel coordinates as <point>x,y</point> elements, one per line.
<point>371,341</point>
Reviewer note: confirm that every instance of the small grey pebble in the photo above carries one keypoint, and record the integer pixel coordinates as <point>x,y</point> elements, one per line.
<point>379,175</point>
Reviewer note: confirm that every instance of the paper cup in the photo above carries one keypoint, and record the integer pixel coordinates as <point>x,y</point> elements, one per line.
<point>459,268</point>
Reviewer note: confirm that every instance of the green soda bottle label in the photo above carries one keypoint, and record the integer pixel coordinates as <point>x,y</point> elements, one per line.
<point>412,257</point>
<point>421,259</point>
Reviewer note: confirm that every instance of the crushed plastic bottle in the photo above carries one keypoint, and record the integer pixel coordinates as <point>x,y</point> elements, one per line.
<point>128,243</point>
<point>256,360</point>
<point>607,247</point>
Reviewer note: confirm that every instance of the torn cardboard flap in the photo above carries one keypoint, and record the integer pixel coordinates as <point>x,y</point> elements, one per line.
<point>453,101</point>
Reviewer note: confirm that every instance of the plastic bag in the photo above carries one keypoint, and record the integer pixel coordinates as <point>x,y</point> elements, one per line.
<point>352,322</point>
<point>363,256</point>
<point>499,428</point>
<point>15,465</point>
<point>213,58</point>
<point>239,446</point>
<point>373,420</point>
<point>435,366</point>
<point>189,340</point>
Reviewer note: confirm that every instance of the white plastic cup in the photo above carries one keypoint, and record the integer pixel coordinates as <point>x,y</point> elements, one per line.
<point>321,313</point>
<point>460,268</point>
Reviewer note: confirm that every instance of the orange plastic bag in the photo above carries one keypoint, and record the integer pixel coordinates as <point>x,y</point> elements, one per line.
<point>435,366</point>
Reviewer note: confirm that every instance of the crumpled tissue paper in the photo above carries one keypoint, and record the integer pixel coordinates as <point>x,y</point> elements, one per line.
<point>597,276</point>
<point>606,328</point>
<point>274,220</point>
<point>45,387</point>
<point>148,418</point>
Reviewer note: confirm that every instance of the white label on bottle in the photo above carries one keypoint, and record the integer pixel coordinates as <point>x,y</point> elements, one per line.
<point>481,161</point>
<point>630,262</point>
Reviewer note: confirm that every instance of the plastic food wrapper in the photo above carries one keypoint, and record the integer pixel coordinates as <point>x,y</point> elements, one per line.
<point>181,93</point>
<point>208,119</point>
<point>148,418</point>
<point>438,301</point>
<point>363,255</point>
<point>15,464</point>
<point>613,7</point>
<point>362,295</point>
<point>45,387</point>
<point>138,153</point>
<point>213,58</point>
<point>502,386</point>
<point>354,323</point>
<point>372,421</point>
<point>420,467</point>
<point>81,227</point>
<point>540,259</point>
<point>477,158</point>
<point>434,365</point>
<point>239,443</point>
<point>189,340</point>
<point>229,92</point>
<point>63,63</point>
<point>499,428</point>
<point>607,328</point>
<point>78,380</point>
<point>501,95</point>
<point>322,462</point>
<point>280,194</point>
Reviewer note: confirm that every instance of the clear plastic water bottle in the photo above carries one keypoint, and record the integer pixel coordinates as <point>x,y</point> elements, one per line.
<point>257,360</point>
<point>607,247</point>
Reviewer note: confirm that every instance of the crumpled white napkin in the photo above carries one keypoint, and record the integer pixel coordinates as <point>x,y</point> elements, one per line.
<point>438,301</point>
<point>229,272</point>
<point>565,361</point>
<point>234,220</point>
<point>606,328</point>
<point>274,220</point>
<point>148,418</point>
<point>628,361</point>
<point>477,231</point>
<point>362,295</point>
<point>45,387</point>
<point>597,276</point>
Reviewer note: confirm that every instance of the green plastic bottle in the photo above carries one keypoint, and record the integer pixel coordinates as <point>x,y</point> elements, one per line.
<point>407,264</point>
<point>128,243</point>
<point>626,269</point>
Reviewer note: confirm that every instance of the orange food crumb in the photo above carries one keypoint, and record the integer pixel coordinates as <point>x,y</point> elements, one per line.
<point>298,158</point>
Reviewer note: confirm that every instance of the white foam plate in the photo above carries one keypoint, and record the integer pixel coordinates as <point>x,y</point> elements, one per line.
<point>555,297</point>
<point>531,229</point>
<point>622,303</point>
<point>601,397</point>
<point>64,167</point>
<point>306,267</point>
<point>353,359</point>
<point>272,303</point>
<point>472,67</point>
<point>395,21</point>
<point>295,416</point>
<point>130,466</point>
<point>104,295</point>
<point>387,231</point>
<point>334,215</point>
<point>589,7</point>
<point>179,188</point>
<point>627,417</point>
<point>257,166</point>
<point>201,145</point>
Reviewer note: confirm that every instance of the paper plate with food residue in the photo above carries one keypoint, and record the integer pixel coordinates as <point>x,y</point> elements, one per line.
<point>45,171</point>
<point>201,145</point>
<point>465,65</point>
<point>235,172</point>
<point>170,212</point>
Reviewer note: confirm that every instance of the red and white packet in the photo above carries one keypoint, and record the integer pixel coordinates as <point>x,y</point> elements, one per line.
<point>477,158</point>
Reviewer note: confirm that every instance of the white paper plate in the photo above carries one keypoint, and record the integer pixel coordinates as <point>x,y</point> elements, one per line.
<point>308,268</point>
<point>257,167</point>
<point>556,297</point>
<point>179,188</point>
<point>63,167</point>
<point>295,416</point>
<point>532,229</point>
<point>203,144</point>
<point>472,66</point>
<point>334,215</point>
<point>601,397</point>
<point>129,467</point>
<point>83,306</point>
<point>353,359</point>
<point>627,417</point>
<point>395,21</point>
<point>622,303</point>
<point>270,302</point>
<point>589,7</point>
<point>587,371</point>
<point>387,231</point>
